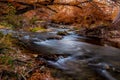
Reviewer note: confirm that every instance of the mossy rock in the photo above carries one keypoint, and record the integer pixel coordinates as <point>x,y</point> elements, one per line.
<point>63,33</point>
<point>38,29</point>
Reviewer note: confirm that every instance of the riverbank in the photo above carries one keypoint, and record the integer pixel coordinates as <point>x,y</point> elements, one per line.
<point>107,35</point>
<point>46,57</point>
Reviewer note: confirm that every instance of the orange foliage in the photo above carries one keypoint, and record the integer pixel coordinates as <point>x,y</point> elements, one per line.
<point>66,14</point>
<point>87,14</point>
<point>42,76</point>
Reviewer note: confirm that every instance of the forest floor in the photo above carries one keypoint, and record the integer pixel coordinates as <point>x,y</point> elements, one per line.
<point>19,63</point>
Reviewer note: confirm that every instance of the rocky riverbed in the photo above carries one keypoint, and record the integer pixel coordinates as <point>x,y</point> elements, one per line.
<point>72,57</point>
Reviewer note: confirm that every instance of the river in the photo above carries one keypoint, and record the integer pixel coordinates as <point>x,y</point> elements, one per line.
<point>80,52</point>
<point>79,57</point>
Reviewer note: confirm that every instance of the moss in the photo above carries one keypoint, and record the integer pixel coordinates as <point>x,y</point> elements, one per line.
<point>11,20</point>
<point>5,43</point>
<point>38,29</point>
<point>62,33</point>
<point>5,24</point>
<point>6,60</point>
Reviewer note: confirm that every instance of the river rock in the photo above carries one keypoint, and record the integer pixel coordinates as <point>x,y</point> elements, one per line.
<point>63,33</point>
<point>58,37</point>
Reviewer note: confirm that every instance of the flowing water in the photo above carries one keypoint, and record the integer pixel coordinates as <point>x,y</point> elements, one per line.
<point>79,51</point>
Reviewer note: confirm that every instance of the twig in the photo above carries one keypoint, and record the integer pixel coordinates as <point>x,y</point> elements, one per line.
<point>23,76</point>
<point>1,76</point>
<point>31,70</point>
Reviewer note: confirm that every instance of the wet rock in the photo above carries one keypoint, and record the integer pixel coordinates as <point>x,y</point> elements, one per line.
<point>113,38</point>
<point>55,37</point>
<point>58,63</point>
<point>113,42</point>
<point>97,32</point>
<point>101,69</point>
<point>62,33</point>
<point>101,65</point>
<point>107,35</point>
